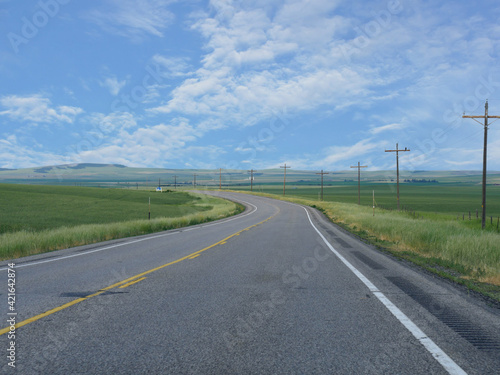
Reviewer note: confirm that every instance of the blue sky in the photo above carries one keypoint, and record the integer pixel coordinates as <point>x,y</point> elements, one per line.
<point>318,84</point>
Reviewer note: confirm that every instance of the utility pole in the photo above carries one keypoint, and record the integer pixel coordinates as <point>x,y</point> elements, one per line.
<point>397,151</point>
<point>220,178</point>
<point>359,180</point>
<point>284,180</point>
<point>251,179</point>
<point>175,182</point>
<point>485,147</point>
<point>194,181</point>
<point>322,173</point>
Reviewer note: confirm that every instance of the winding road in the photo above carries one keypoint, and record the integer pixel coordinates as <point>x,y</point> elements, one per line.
<point>277,289</point>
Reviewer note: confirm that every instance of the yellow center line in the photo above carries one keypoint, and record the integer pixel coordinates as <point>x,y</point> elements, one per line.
<point>131,283</point>
<point>130,280</point>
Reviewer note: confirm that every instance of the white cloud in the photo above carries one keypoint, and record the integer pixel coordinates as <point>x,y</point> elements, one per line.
<point>147,146</point>
<point>260,57</point>
<point>172,66</point>
<point>258,63</point>
<point>113,85</point>
<point>37,109</point>
<point>239,37</point>
<point>250,97</point>
<point>460,164</point>
<point>133,18</point>
<point>383,128</point>
<point>112,122</point>
<point>333,158</point>
<point>343,155</point>
<point>14,154</point>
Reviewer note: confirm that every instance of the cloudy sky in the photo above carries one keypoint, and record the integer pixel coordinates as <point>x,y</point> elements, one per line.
<point>316,84</point>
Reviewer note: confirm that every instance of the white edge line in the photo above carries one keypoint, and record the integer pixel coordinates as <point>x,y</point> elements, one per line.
<point>444,360</point>
<point>131,242</point>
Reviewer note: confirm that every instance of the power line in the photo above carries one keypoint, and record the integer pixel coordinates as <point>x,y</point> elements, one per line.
<point>485,147</point>
<point>463,140</point>
<point>397,151</point>
<point>322,173</point>
<point>359,180</point>
<point>284,180</point>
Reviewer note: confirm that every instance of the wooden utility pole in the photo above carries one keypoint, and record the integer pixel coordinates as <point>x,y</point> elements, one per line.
<point>397,151</point>
<point>284,181</point>
<point>485,147</point>
<point>175,182</point>
<point>322,173</point>
<point>251,179</point>
<point>220,178</point>
<point>359,180</point>
<point>194,181</point>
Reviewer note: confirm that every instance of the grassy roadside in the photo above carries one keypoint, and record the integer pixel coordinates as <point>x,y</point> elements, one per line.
<point>449,248</point>
<point>29,242</point>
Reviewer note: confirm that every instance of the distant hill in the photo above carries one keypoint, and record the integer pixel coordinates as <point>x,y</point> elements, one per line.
<point>46,170</point>
<point>89,174</point>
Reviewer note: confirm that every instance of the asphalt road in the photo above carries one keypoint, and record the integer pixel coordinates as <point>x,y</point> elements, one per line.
<point>275,290</point>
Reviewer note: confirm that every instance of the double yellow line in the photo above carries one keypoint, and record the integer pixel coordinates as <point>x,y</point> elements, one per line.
<point>131,280</point>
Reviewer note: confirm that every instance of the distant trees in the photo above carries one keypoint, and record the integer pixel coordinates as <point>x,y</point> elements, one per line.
<point>423,180</point>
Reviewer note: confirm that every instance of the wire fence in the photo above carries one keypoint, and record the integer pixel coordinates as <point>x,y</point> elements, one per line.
<point>472,216</point>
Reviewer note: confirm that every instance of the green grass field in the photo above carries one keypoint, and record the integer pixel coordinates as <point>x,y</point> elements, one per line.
<point>449,199</point>
<point>35,219</point>
<point>35,208</point>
